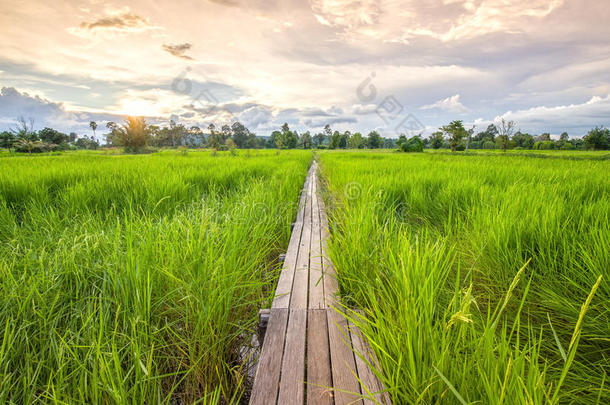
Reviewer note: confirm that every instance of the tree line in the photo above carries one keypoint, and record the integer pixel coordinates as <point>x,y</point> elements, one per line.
<point>23,138</point>
<point>136,135</point>
<point>505,136</point>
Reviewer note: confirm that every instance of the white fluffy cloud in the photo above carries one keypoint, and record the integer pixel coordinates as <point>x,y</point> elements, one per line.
<point>282,58</point>
<point>450,104</point>
<point>571,118</point>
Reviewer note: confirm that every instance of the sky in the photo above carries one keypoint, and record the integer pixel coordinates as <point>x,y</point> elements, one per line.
<point>393,66</point>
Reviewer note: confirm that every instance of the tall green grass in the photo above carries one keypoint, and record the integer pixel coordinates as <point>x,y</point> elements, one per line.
<point>484,278</point>
<point>137,279</point>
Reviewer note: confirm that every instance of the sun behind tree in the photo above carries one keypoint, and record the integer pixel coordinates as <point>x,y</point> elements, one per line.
<point>134,135</point>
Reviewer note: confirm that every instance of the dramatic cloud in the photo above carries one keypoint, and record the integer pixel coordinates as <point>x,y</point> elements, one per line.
<point>401,21</point>
<point>310,63</point>
<point>15,104</point>
<point>563,117</point>
<point>119,22</point>
<point>116,21</point>
<point>450,104</point>
<point>178,50</point>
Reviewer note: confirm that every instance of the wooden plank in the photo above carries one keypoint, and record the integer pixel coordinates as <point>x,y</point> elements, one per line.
<point>365,359</point>
<point>292,380</point>
<point>285,281</point>
<point>343,366</point>
<point>267,379</point>
<point>316,280</point>
<point>319,378</point>
<point>331,286</point>
<point>298,294</point>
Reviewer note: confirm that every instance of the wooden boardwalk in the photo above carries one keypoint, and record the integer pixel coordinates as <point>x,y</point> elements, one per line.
<point>311,353</point>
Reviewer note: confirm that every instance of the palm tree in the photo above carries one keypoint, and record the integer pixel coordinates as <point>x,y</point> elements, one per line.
<point>93,126</point>
<point>27,145</point>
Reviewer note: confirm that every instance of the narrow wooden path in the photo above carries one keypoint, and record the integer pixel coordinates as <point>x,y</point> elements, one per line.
<point>311,354</point>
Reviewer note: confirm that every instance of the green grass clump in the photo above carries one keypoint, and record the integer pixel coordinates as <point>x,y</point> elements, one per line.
<point>137,279</point>
<point>484,278</point>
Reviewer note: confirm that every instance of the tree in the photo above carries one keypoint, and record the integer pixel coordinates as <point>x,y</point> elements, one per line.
<point>24,129</point>
<point>544,137</point>
<point>489,135</point>
<point>305,140</point>
<point>388,143</point>
<point>374,140</point>
<point>436,140</point>
<point>327,131</point>
<point>469,132</point>
<point>456,132</point>
<point>414,144</point>
<point>356,141</point>
<point>93,126</point>
<point>505,131</point>
<point>29,146</point>
<point>133,135</point>
<point>86,143</point>
<point>402,139</point>
<point>53,136</point>
<point>598,138</point>
<point>240,134</point>
<point>335,140</point>
<point>111,138</point>
<point>230,144</point>
<point>7,139</point>
<point>195,137</point>
<point>177,133</point>
<point>344,140</point>
<point>215,140</point>
<point>318,139</point>
<point>523,140</point>
<point>286,139</point>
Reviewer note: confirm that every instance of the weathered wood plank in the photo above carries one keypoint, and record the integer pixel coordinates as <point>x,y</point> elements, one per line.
<point>267,379</point>
<point>292,380</point>
<point>319,378</point>
<point>331,287</point>
<point>285,281</point>
<point>365,359</point>
<point>313,355</point>
<point>343,366</point>
<point>299,291</point>
<point>316,280</point>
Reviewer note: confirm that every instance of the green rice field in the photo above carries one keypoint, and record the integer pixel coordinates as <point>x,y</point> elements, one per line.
<point>138,279</point>
<point>484,278</point>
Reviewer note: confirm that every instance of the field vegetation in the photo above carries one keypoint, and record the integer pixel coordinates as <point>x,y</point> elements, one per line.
<point>137,279</point>
<point>484,278</point>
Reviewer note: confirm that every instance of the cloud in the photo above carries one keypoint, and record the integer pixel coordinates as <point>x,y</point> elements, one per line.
<point>349,14</point>
<point>118,22</point>
<point>450,104</point>
<point>14,103</point>
<point>320,122</point>
<point>178,50</point>
<point>400,21</point>
<point>496,55</point>
<point>578,118</point>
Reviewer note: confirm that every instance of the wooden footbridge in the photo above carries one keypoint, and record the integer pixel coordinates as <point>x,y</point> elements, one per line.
<point>311,354</point>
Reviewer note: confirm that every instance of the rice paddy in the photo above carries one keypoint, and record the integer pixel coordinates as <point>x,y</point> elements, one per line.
<point>483,278</point>
<point>138,279</point>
